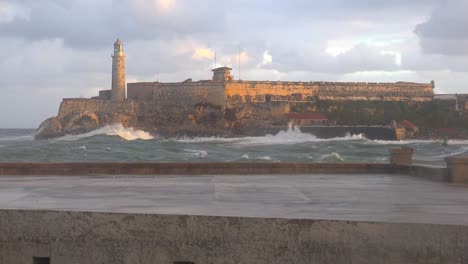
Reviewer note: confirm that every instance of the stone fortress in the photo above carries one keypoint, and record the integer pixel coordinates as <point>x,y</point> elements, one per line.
<point>220,106</point>
<point>224,90</point>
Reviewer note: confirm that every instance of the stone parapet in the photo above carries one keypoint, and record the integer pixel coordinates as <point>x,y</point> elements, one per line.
<point>83,237</point>
<point>118,168</point>
<point>458,169</point>
<point>401,156</point>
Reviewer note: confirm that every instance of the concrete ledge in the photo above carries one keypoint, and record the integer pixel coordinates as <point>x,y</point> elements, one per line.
<point>458,168</point>
<point>197,168</point>
<point>80,237</point>
<point>401,156</point>
<point>440,174</point>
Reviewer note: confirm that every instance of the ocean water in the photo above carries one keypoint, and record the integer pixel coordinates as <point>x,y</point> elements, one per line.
<point>116,143</point>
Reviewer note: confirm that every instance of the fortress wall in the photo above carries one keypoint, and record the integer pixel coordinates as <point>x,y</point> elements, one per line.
<point>376,91</point>
<point>187,94</point>
<point>239,92</point>
<point>140,91</point>
<point>78,105</point>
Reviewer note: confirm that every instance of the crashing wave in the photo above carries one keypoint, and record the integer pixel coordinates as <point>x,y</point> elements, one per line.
<point>330,157</point>
<point>196,152</point>
<point>126,133</point>
<point>285,137</point>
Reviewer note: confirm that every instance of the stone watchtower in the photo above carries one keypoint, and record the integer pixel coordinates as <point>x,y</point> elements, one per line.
<point>222,74</point>
<point>118,72</point>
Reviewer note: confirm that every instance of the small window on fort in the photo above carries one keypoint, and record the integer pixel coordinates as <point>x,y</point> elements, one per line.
<point>41,260</point>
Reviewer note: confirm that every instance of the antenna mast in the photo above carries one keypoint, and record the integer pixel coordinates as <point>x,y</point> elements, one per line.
<point>215,59</point>
<point>239,57</point>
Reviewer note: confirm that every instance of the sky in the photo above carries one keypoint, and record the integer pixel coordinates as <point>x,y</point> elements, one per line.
<point>54,49</point>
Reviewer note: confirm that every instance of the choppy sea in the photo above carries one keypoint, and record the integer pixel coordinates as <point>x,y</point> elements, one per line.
<point>116,143</point>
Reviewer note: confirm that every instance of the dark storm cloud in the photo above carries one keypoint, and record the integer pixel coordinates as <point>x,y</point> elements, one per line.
<point>446,31</point>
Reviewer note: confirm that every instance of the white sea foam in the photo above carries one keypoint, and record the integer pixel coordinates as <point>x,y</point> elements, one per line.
<point>402,142</point>
<point>442,156</point>
<point>285,137</point>
<point>458,142</point>
<point>17,138</point>
<point>197,152</point>
<point>331,156</point>
<point>80,148</point>
<point>112,130</point>
<point>245,156</point>
<point>264,158</point>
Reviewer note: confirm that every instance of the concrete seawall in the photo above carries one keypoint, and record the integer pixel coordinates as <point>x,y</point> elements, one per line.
<point>197,168</point>
<point>81,237</point>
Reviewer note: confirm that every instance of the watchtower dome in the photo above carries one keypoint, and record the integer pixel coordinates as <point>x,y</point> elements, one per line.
<point>118,72</point>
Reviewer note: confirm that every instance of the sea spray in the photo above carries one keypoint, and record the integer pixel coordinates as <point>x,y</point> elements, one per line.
<point>293,135</point>
<point>290,145</point>
<point>126,133</point>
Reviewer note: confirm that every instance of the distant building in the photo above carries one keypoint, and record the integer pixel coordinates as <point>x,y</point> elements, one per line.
<point>223,90</point>
<point>307,119</point>
<point>222,74</point>
<point>411,130</point>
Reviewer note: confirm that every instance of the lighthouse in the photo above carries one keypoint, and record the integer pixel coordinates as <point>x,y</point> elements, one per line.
<point>118,72</point>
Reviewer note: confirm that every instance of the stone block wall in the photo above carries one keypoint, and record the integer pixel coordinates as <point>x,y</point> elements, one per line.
<point>239,92</point>
<point>188,94</point>
<point>400,91</point>
<point>140,91</point>
<point>81,237</point>
<point>183,94</point>
<point>78,105</point>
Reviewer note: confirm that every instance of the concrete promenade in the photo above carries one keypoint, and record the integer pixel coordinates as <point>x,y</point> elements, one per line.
<point>373,197</point>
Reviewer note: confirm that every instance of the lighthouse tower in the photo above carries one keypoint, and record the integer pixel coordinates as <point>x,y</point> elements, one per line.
<point>118,72</point>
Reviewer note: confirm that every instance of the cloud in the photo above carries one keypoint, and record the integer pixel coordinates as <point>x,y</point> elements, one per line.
<point>267,58</point>
<point>88,24</point>
<point>55,48</point>
<point>446,31</point>
<point>360,57</point>
<point>10,11</point>
<point>165,4</point>
<point>203,53</point>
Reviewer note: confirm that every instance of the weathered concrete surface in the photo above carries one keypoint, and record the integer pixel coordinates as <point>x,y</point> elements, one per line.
<point>433,173</point>
<point>458,168</point>
<point>78,237</point>
<point>401,156</point>
<point>380,198</point>
<point>233,219</point>
<point>116,168</point>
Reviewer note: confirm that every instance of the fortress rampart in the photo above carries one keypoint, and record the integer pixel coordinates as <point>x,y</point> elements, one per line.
<point>251,91</point>
<point>232,93</point>
<point>185,94</point>
<point>225,106</point>
<point>78,105</point>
